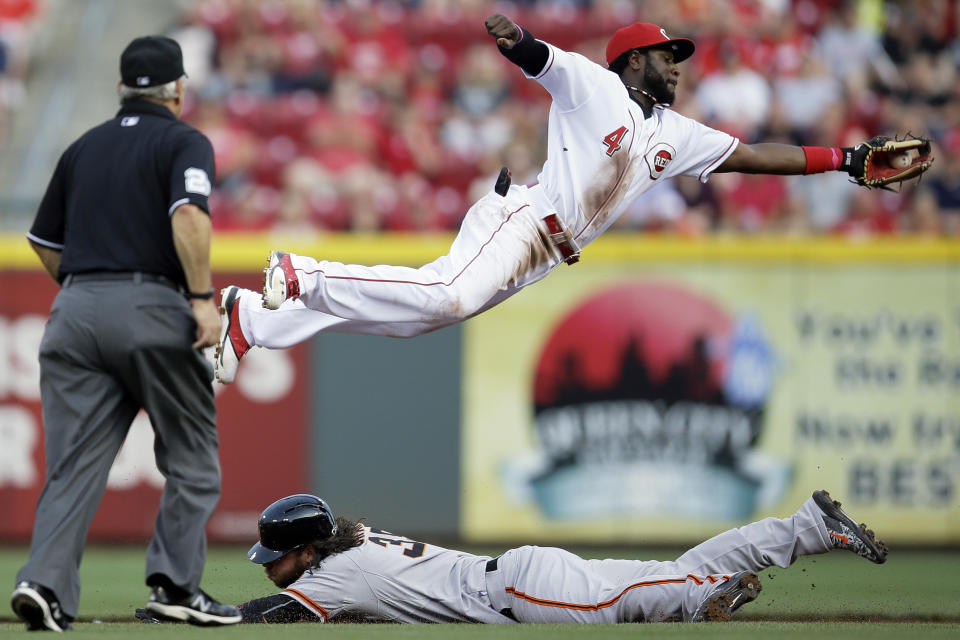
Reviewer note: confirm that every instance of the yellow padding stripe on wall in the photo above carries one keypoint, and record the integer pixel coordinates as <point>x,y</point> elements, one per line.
<point>248,251</point>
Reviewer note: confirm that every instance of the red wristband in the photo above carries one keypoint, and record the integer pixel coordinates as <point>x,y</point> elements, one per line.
<point>820,159</point>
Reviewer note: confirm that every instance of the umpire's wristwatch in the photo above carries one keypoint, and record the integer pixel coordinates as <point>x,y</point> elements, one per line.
<point>206,295</point>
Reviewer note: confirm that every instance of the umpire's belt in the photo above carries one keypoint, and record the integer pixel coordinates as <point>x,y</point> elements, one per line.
<point>497,590</point>
<point>135,277</point>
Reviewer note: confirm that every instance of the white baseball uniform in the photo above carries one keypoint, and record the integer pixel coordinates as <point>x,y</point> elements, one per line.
<point>601,155</point>
<point>391,578</point>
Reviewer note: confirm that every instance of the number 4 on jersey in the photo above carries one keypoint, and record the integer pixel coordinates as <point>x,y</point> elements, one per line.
<point>612,140</point>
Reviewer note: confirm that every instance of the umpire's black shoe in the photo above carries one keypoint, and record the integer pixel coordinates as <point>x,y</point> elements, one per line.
<point>39,608</point>
<point>197,608</point>
<point>847,534</point>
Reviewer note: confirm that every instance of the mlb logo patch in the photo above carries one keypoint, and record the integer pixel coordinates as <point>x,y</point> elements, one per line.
<point>143,81</point>
<point>130,121</point>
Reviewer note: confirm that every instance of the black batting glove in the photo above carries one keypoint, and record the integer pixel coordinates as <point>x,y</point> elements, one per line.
<point>854,159</point>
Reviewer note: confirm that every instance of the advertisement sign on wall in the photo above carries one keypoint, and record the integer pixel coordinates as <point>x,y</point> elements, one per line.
<point>663,402</point>
<point>267,403</point>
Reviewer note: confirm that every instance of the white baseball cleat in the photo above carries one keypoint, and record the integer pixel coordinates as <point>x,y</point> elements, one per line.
<point>280,282</point>
<point>232,345</point>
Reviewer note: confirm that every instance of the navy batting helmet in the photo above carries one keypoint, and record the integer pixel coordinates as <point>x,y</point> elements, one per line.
<point>289,523</point>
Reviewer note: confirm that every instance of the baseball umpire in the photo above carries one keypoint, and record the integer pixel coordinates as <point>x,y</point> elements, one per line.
<point>124,228</point>
<point>335,569</point>
<point>610,138</point>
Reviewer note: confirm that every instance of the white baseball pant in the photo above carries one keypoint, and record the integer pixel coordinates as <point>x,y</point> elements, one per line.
<point>501,247</point>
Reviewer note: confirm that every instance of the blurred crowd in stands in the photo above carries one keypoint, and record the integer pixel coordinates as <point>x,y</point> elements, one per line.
<point>397,114</point>
<point>16,19</point>
<point>384,115</point>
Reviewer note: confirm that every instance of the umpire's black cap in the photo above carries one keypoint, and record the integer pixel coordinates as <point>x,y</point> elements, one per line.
<point>151,61</point>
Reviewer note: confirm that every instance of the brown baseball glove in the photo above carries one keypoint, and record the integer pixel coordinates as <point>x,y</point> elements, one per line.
<point>881,161</point>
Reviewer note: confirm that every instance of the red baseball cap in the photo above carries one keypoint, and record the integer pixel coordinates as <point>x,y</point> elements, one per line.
<point>643,34</point>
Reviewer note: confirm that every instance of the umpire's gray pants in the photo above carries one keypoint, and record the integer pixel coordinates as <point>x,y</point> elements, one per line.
<point>110,348</point>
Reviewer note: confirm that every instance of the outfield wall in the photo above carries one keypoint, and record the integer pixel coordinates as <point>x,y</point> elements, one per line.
<point>658,391</point>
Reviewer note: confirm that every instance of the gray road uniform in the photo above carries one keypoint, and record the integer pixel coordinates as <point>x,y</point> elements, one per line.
<point>119,339</point>
<point>390,578</point>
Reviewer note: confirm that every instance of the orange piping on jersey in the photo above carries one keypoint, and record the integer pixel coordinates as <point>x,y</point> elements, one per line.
<point>633,124</point>
<point>612,601</point>
<point>310,603</point>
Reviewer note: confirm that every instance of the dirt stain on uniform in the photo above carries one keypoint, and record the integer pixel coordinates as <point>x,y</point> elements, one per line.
<point>450,311</point>
<point>609,186</point>
<point>540,251</point>
<point>608,189</point>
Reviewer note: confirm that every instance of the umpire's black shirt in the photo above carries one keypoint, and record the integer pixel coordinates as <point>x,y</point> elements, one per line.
<point>109,202</point>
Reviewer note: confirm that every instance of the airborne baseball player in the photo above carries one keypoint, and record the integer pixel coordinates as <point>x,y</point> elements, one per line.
<point>339,570</point>
<point>610,139</point>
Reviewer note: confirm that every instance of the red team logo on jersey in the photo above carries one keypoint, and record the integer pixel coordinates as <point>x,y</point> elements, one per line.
<point>661,159</point>
<point>659,156</point>
<point>612,140</point>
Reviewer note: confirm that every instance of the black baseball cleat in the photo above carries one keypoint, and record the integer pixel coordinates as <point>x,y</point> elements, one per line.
<point>146,617</point>
<point>847,534</point>
<point>738,590</point>
<point>39,608</point>
<point>197,608</point>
